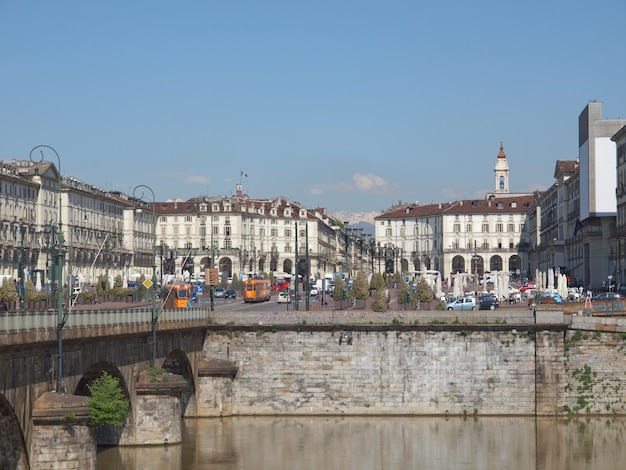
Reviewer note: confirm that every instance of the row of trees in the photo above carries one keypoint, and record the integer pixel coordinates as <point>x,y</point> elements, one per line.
<point>8,291</point>
<point>361,290</point>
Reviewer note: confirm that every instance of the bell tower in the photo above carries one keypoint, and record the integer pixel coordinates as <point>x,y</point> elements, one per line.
<point>502,172</point>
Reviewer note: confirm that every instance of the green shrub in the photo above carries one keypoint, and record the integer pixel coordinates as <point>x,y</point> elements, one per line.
<point>107,403</point>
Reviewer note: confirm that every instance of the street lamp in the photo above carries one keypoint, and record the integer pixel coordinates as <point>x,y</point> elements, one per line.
<point>139,193</point>
<point>61,317</point>
<point>20,269</point>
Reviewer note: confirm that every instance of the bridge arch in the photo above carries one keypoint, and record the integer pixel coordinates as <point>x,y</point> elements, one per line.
<point>13,452</point>
<point>107,435</point>
<point>178,363</point>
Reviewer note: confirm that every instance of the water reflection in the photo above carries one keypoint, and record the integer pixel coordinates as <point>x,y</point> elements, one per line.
<point>368,443</point>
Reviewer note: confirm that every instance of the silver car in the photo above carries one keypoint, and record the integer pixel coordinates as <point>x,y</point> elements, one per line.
<point>462,303</point>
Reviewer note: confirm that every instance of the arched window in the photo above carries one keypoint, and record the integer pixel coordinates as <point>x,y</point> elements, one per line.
<point>502,183</point>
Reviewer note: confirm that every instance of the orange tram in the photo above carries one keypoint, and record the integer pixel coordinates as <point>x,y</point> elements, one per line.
<point>256,290</point>
<point>176,296</point>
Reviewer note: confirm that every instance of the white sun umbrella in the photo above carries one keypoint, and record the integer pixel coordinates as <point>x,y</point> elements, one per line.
<point>504,285</point>
<point>537,278</point>
<point>496,286</point>
<point>457,285</point>
<point>564,286</point>
<point>38,282</point>
<point>438,285</point>
<point>125,283</point>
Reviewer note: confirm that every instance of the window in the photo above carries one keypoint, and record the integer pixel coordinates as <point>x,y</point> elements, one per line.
<point>501,183</point>
<point>227,231</point>
<point>388,232</point>
<point>499,227</point>
<point>287,248</point>
<point>468,228</point>
<point>457,228</point>
<point>274,232</point>
<point>287,232</point>
<point>485,228</point>
<point>511,227</point>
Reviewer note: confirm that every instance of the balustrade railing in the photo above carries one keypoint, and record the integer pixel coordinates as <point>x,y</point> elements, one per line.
<point>21,321</point>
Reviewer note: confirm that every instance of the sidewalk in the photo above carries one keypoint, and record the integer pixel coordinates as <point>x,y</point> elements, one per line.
<point>113,306</point>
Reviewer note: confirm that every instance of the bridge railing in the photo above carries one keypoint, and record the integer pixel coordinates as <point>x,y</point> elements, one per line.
<point>48,320</point>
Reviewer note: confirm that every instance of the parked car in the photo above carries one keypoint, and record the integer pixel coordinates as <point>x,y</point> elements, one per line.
<point>608,296</point>
<point>283,297</point>
<point>314,291</point>
<point>230,294</point>
<point>219,292</point>
<point>488,302</point>
<point>462,303</point>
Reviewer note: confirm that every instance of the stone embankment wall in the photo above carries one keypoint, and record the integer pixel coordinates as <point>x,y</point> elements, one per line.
<point>395,370</point>
<point>384,371</point>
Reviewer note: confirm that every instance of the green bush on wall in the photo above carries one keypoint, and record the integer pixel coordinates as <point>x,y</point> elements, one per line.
<point>107,403</point>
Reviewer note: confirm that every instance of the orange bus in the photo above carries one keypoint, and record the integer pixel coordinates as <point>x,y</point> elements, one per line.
<point>256,290</point>
<point>176,296</point>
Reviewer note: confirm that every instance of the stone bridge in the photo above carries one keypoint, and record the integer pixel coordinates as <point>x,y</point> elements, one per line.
<point>33,414</point>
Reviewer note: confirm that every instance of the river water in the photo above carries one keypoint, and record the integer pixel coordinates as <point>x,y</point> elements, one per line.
<point>373,443</point>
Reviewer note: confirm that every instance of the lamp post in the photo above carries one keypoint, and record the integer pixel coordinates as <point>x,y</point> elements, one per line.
<point>61,317</point>
<point>21,287</point>
<point>308,267</point>
<point>139,193</point>
<point>296,305</point>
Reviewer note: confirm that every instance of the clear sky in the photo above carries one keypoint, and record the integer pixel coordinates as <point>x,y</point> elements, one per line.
<point>348,105</point>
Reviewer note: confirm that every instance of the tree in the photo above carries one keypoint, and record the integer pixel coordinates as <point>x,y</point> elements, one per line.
<point>107,403</point>
<point>360,290</point>
<point>403,291</point>
<point>7,290</point>
<point>31,293</point>
<point>424,291</point>
<point>340,289</point>
<point>377,282</point>
<point>380,303</point>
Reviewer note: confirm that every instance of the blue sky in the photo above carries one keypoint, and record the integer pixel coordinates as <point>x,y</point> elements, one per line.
<point>348,105</point>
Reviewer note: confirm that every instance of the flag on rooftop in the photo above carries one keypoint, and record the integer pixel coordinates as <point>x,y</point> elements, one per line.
<point>245,175</point>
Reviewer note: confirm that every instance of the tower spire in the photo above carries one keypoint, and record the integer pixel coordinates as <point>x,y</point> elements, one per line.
<point>502,172</point>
